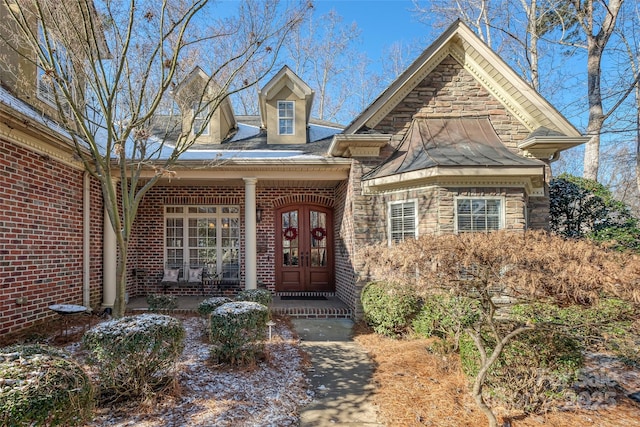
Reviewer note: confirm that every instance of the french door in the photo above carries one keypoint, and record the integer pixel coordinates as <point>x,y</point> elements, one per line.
<point>304,249</point>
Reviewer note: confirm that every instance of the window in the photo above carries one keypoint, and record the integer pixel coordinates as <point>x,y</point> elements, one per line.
<point>479,214</point>
<point>204,236</point>
<point>47,81</point>
<point>199,119</point>
<point>402,220</point>
<point>285,117</point>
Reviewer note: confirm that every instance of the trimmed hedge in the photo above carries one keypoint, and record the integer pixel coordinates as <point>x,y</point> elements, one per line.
<point>261,296</point>
<point>135,356</point>
<point>162,302</point>
<point>207,306</point>
<point>237,332</point>
<point>41,385</point>
<point>389,308</point>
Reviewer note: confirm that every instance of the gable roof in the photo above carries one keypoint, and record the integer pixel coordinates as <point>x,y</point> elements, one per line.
<point>495,75</point>
<point>285,77</point>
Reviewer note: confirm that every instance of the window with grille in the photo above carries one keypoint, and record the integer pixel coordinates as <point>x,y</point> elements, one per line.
<point>402,220</point>
<point>54,67</point>
<point>479,214</point>
<point>204,236</point>
<point>285,117</point>
<point>200,122</point>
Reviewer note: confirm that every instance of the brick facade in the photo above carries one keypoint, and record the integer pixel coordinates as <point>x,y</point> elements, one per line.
<point>41,237</point>
<point>147,246</point>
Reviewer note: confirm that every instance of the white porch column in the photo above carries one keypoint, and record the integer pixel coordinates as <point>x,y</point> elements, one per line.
<point>109,263</point>
<point>250,234</point>
<point>86,240</point>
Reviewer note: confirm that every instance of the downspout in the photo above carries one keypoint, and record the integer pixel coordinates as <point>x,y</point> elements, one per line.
<point>86,240</point>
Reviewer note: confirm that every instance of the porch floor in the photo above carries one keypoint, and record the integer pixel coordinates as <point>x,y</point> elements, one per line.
<point>331,308</point>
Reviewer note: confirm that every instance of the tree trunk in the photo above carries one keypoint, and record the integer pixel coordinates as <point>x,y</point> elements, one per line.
<point>596,116</point>
<point>119,305</point>
<point>596,42</point>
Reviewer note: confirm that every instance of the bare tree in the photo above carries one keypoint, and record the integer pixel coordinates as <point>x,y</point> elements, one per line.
<point>514,28</point>
<point>323,53</point>
<point>129,56</point>
<point>597,24</point>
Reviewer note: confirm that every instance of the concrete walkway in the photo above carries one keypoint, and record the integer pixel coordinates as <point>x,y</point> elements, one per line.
<point>340,375</point>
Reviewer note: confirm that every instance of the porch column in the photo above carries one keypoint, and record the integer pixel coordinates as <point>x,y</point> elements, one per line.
<point>109,261</point>
<point>250,231</point>
<point>109,258</point>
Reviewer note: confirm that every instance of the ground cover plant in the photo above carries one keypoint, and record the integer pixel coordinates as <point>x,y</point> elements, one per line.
<point>501,268</point>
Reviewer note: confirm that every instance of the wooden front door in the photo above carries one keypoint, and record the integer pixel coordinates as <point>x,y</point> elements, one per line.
<point>304,249</point>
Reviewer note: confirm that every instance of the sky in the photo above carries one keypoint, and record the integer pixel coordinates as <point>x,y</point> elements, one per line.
<point>382,22</point>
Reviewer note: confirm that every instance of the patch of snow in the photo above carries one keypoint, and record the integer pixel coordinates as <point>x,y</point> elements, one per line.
<point>318,132</point>
<point>240,307</point>
<point>269,394</point>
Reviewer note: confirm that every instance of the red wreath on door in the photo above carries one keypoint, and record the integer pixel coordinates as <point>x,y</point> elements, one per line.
<point>319,233</point>
<point>290,233</point>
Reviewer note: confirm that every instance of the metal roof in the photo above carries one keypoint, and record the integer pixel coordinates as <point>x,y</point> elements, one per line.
<point>450,141</point>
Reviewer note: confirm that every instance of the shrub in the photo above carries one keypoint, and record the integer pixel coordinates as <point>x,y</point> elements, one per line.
<point>388,308</point>
<point>41,385</point>
<point>207,306</point>
<point>135,356</point>
<point>607,325</point>
<point>261,296</point>
<point>535,370</point>
<point>446,316</point>
<point>237,332</point>
<point>581,207</point>
<point>161,302</point>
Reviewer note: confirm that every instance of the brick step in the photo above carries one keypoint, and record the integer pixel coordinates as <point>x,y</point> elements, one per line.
<point>314,312</point>
<point>305,294</point>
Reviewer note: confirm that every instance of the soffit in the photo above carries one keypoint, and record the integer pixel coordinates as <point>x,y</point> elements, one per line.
<point>321,173</point>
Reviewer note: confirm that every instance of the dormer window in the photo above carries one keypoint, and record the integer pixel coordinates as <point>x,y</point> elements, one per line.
<point>200,122</point>
<point>285,117</point>
<point>58,56</point>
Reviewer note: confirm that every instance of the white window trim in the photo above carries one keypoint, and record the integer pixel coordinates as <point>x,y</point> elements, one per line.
<point>292,118</point>
<point>186,215</point>
<point>48,96</point>
<point>502,217</point>
<point>415,215</point>
<point>198,116</point>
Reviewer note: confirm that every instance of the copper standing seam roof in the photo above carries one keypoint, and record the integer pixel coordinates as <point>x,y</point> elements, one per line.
<point>450,142</point>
